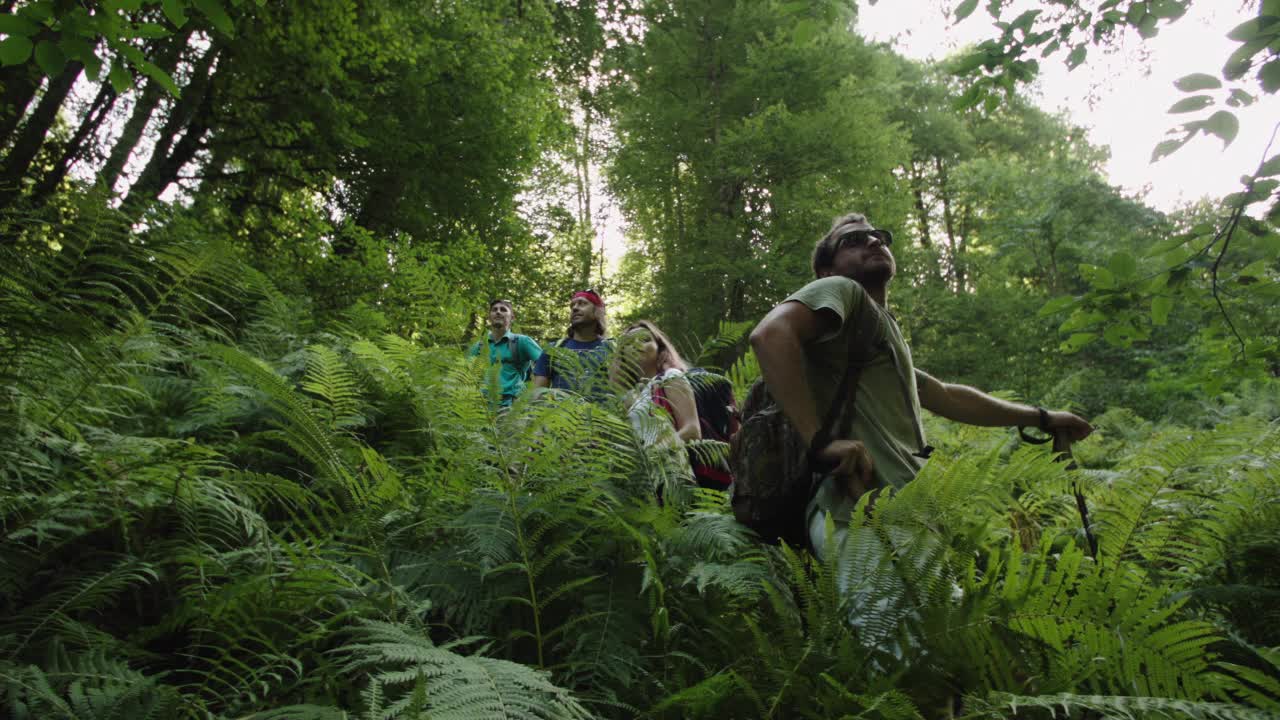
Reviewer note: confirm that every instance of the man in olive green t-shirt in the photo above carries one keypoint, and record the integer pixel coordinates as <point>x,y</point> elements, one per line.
<point>511,355</point>
<point>803,347</point>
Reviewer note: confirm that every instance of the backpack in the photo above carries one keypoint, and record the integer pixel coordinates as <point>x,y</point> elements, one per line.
<point>718,418</point>
<point>773,479</point>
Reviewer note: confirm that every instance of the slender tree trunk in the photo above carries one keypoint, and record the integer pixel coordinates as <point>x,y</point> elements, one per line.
<point>18,86</point>
<point>961,247</point>
<point>922,210</point>
<point>948,219</point>
<point>192,112</point>
<point>31,138</point>
<point>163,170</point>
<point>76,148</point>
<point>148,100</point>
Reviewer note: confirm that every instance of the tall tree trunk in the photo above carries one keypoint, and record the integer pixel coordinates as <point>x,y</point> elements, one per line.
<point>76,147</point>
<point>18,86</point>
<point>948,219</point>
<point>916,176</point>
<point>158,175</point>
<point>191,111</point>
<point>148,100</point>
<point>31,138</point>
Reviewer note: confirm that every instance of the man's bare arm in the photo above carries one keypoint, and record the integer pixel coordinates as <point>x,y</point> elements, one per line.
<point>969,405</point>
<point>779,342</point>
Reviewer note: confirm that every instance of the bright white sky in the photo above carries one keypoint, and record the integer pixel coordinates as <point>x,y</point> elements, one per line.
<point>1120,98</point>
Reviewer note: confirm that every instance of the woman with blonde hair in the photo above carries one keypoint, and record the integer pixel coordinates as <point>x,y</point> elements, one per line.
<point>645,354</point>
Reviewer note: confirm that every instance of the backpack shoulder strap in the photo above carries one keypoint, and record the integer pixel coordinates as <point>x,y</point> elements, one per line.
<point>864,341</point>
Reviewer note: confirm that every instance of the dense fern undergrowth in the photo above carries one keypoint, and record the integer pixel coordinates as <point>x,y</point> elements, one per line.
<point>213,507</point>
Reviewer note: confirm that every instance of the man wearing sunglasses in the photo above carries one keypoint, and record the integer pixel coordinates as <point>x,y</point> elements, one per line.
<point>579,362</point>
<point>876,440</point>
<point>511,354</point>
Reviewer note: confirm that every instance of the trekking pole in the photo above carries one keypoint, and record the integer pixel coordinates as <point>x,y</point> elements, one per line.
<point>1062,451</point>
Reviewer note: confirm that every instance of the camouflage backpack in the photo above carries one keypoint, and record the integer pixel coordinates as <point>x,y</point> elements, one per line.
<point>773,479</point>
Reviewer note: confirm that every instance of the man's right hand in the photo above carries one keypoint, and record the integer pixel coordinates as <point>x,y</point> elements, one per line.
<point>852,463</point>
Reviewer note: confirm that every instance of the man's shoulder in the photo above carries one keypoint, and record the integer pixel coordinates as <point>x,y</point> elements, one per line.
<point>834,292</point>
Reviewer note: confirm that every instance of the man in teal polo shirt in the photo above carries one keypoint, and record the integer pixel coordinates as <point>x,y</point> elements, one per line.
<point>513,353</point>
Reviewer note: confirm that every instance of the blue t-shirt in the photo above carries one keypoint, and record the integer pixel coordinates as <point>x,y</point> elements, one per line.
<point>576,366</point>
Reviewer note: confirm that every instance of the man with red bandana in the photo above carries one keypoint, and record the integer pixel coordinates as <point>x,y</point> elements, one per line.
<point>579,363</point>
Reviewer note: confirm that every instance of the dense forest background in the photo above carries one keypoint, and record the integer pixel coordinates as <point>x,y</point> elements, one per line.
<point>247,472</point>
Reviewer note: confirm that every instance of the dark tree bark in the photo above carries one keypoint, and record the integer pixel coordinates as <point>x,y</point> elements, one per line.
<point>192,111</point>
<point>18,85</point>
<point>148,100</point>
<point>31,137</point>
<point>76,148</point>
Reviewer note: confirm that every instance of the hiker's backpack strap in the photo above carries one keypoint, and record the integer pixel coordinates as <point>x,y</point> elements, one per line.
<point>865,342</point>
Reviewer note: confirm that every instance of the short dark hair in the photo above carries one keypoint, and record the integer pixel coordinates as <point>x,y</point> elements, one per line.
<point>508,303</point>
<point>824,251</point>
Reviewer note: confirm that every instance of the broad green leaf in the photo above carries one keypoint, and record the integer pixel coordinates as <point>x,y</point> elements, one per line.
<point>1191,104</point>
<point>1118,334</point>
<point>1023,21</point>
<point>805,31</point>
<point>120,78</point>
<point>14,50</point>
<point>1077,341</point>
<point>15,25</point>
<point>1240,98</point>
<point>77,48</point>
<point>160,77</point>
<point>1057,305</point>
<point>1149,27</point>
<point>1168,9</point>
<point>1077,56</point>
<point>1099,277</point>
<point>217,15</point>
<point>50,58</point>
<point>1197,81</point>
<point>1245,31</point>
<point>1269,76</point>
<point>1122,265</point>
<point>150,31</point>
<point>1263,188</point>
<point>1270,167</point>
<point>1253,271</point>
<point>1081,319</point>
<point>40,11</point>
<point>1171,243</point>
<point>175,10</point>
<point>1168,147</point>
<point>1160,307</point>
<point>965,9</point>
<point>1223,124</point>
<point>1242,59</point>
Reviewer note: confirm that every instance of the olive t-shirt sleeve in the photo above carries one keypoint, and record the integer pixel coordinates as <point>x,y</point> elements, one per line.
<point>839,294</point>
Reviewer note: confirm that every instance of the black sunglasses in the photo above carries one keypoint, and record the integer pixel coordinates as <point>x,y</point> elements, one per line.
<point>861,238</point>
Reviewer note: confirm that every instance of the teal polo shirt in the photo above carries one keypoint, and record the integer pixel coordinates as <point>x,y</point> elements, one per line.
<point>516,354</point>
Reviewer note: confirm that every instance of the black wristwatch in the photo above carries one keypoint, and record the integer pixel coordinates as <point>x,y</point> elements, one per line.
<point>1043,427</point>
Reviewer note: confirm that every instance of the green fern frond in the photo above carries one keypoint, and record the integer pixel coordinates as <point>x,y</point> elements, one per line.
<point>1122,707</point>
<point>455,686</point>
